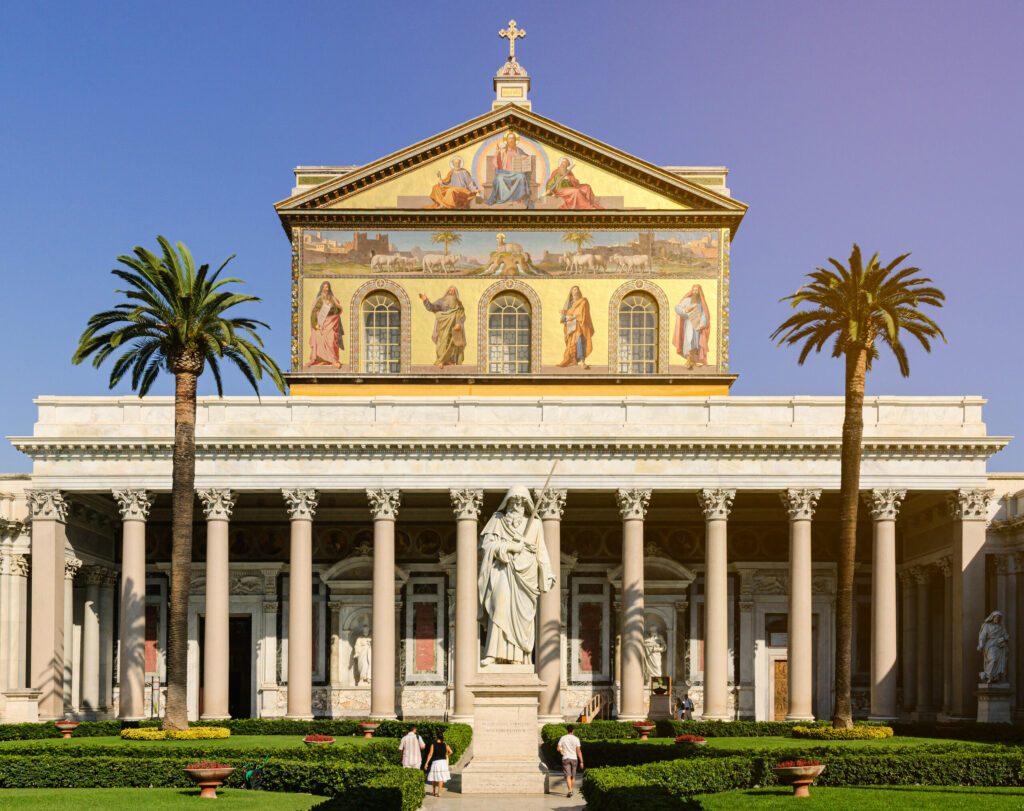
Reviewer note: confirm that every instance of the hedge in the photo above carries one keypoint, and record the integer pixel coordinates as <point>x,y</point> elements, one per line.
<point>670,785</point>
<point>358,787</point>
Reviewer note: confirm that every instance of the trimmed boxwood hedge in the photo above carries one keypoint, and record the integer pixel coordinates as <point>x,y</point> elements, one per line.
<point>359,787</point>
<point>669,785</point>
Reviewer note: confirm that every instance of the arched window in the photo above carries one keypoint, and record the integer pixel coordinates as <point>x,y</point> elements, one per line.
<point>382,334</point>
<point>508,335</point>
<point>638,335</point>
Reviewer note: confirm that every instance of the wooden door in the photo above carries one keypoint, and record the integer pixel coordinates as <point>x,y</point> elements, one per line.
<point>780,689</point>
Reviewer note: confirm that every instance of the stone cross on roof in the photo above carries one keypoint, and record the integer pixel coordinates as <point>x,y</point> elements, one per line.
<point>512,33</point>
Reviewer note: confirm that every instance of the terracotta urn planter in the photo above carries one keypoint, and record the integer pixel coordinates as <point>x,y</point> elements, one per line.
<point>208,775</point>
<point>318,740</point>
<point>799,774</point>
<point>66,727</point>
<point>645,728</point>
<point>368,728</point>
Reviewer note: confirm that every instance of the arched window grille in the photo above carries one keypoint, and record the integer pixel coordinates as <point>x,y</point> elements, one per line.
<point>508,335</point>
<point>638,335</point>
<point>382,334</point>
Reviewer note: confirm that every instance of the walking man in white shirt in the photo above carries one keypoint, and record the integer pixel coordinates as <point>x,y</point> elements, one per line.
<point>572,757</point>
<point>411,747</point>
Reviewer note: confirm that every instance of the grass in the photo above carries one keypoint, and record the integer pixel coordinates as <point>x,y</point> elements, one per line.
<point>779,742</point>
<point>152,799</point>
<point>975,798</point>
<point>234,742</point>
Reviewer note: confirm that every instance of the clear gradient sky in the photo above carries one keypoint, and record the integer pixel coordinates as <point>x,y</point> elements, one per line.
<point>895,124</point>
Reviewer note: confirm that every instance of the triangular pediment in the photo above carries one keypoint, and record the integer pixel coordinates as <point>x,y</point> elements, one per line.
<point>477,166</point>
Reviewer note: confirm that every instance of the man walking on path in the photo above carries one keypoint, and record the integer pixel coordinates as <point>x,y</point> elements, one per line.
<point>572,757</point>
<point>411,747</point>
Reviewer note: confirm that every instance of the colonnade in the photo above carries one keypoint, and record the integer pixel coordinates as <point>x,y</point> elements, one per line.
<point>964,587</point>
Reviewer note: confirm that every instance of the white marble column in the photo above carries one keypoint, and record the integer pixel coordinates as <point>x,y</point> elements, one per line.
<point>908,654</point>
<point>969,509</point>
<point>71,567</point>
<point>716,505</point>
<point>923,706</point>
<point>945,566</point>
<point>301,508</point>
<point>135,506</point>
<point>550,506</point>
<point>94,577</point>
<point>633,507</point>
<point>466,505</point>
<point>384,510</point>
<point>49,513</point>
<point>107,590</point>
<point>1006,601</point>
<point>217,506</point>
<point>884,505</point>
<point>800,505</point>
<point>17,608</point>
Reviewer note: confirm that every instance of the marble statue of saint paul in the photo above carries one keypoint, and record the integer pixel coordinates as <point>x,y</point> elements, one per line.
<point>514,570</point>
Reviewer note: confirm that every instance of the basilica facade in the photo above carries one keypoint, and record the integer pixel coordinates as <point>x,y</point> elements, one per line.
<point>507,303</point>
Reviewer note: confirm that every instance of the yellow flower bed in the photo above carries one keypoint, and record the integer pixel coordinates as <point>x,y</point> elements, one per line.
<point>858,733</point>
<point>190,734</point>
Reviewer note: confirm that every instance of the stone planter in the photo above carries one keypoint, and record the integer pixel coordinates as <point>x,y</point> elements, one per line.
<point>799,777</point>
<point>66,727</point>
<point>209,779</point>
<point>645,728</point>
<point>320,740</point>
<point>368,728</point>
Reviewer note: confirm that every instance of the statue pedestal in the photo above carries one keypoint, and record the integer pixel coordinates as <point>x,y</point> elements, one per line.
<point>506,737</point>
<point>661,708</point>
<point>22,706</point>
<point>994,703</point>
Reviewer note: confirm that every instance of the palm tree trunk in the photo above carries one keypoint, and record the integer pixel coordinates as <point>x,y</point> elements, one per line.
<point>183,475</point>
<point>849,495</point>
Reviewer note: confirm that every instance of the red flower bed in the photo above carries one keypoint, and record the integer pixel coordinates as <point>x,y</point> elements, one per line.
<point>789,764</point>
<point>209,764</point>
<point>319,739</point>
<point>689,739</point>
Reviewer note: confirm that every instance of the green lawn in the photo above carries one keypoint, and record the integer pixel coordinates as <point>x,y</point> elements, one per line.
<point>234,742</point>
<point>780,742</point>
<point>152,799</point>
<point>975,798</point>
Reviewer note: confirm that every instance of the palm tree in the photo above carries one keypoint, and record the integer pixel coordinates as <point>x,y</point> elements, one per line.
<point>175,318</point>
<point>579,239</point>
<point>446,237</point>
<point>856,308</point>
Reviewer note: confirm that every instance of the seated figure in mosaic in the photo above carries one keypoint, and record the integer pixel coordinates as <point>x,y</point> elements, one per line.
<point>514,570</point>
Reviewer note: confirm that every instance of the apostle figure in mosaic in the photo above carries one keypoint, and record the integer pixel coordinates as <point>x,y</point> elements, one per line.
<point>578,328</point>
<point>994,644</point>
<point>362,656</point>
<point>693,328</point>
<point>514,570</point>
<point>449,327</point>
<point>564,185</point>
<point>654,650</point>
<point>326,337</point>
<point>456,189</point>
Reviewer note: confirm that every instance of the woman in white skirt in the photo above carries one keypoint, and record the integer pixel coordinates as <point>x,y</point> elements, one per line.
<point>437,764</point>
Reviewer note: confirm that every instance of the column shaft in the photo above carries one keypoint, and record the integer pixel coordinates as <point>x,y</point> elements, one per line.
<point>884,508</point>
<point>947,635</point>
<point>633,508</point>
<point>384,509</point>
<point>91,643</point>
<point>549,641</point>
<point>800,654</point>
<point>215,643</point>
<point>133,620</point>
<point>49,538</point>
<point>300,620</point>
<point>716,622</point>
<point>107,640</point>
<point>908,655</point>
<point>924,647</point>
<point>69,631</point>
<point>466,504</point>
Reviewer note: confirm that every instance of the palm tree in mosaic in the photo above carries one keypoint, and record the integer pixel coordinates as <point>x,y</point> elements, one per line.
<point>856,309</point>
<point>447,238</point>
<point>578,238</point>
<point>175,317</point>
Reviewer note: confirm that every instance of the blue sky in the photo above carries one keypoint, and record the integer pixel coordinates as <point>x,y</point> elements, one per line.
<point>898,125</point>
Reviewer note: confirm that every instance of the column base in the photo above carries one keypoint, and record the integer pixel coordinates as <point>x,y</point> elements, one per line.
<point>550,719</point>
<point>799,717</point>
<point>716,718</point>
<point>632,718</point>
<point>299,717</point>
<point>215,717</point>
<point>383,716</point>
<point>460,719</point>
<point>888,719</point>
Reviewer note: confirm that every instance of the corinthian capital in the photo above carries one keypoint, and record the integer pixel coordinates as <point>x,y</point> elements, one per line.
<point>71,567</point>
<point>466,504</point>
<point>550,504</point>
<point>134,504</point>
<point>384,504</point>
<point>47,505</point>
<point>970,505</point>
<point>885,503</point>
<point>716,504</point>
<point>217,504</point>
<point>633,503</point>
<point>800,503</point>
<point>301,503</point>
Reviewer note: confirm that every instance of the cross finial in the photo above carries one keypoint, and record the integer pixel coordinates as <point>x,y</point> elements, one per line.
<point>512,33</point>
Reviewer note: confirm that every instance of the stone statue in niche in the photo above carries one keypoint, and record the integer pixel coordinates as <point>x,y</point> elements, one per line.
<point>514,570</point>
<point>362,656</point>
<point>994,644</point>
<point>654,655</point>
